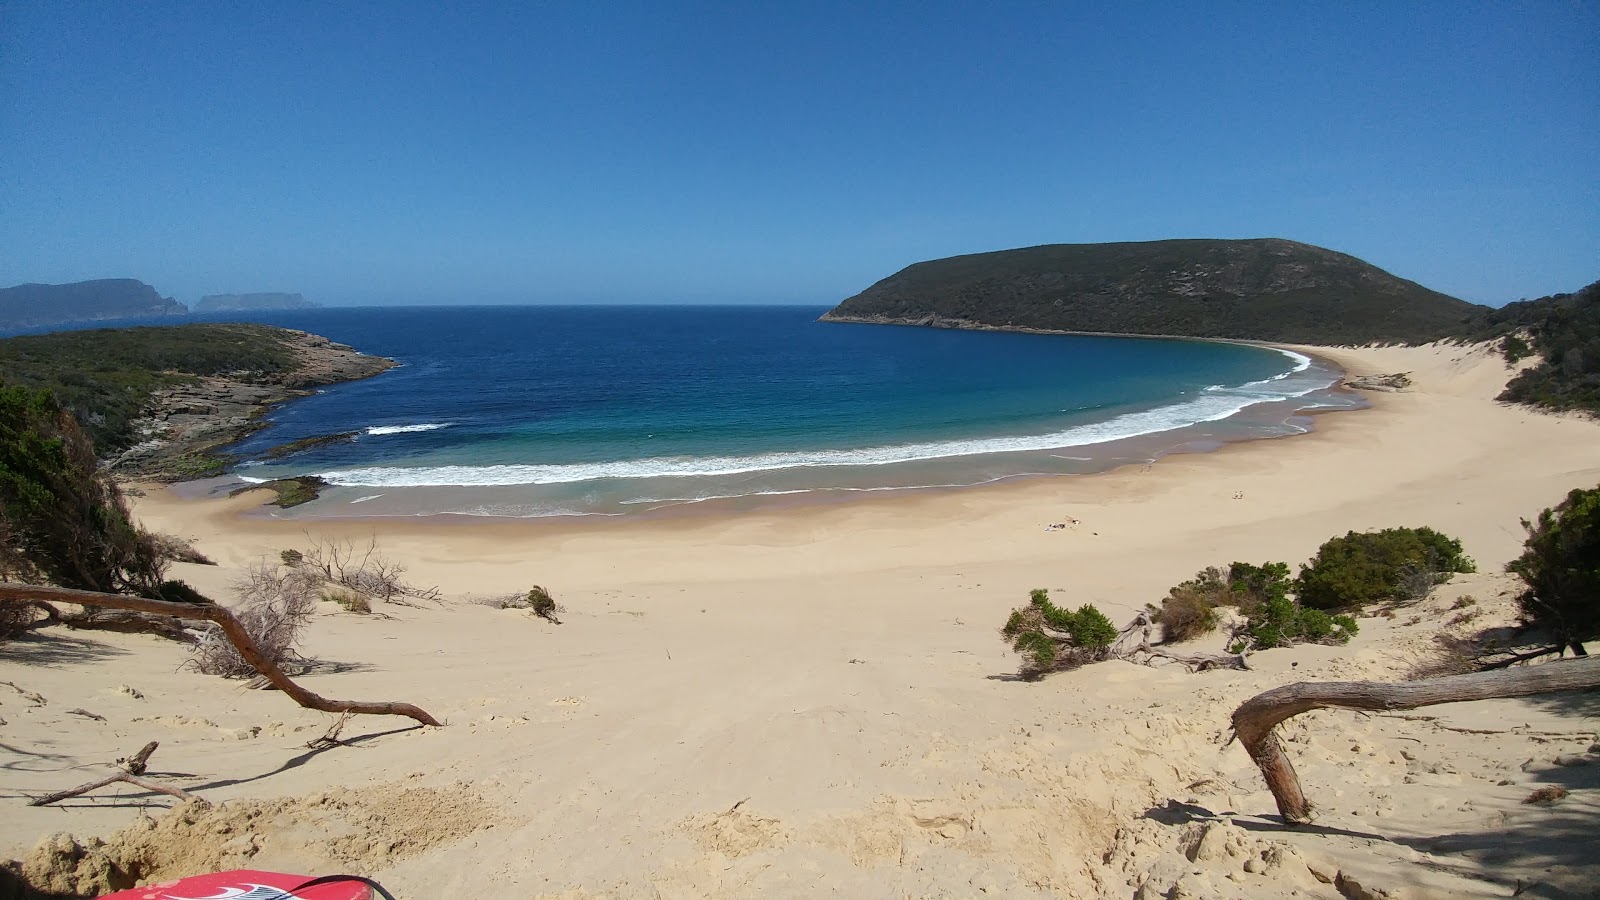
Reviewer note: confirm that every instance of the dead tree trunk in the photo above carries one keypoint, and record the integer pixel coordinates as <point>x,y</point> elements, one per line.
<point>1133,644</point>
<point>1255,719</point>
<point>24,594</point>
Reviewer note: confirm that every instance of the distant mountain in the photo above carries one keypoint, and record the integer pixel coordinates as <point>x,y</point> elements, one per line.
<point>29,305</point>
<point>1260,289</point>
<point>226,302</point>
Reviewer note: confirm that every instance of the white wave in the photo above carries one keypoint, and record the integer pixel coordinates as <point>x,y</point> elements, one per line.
<point>407,429</point>
<point>1302,362</point>
<point>1205,408</point>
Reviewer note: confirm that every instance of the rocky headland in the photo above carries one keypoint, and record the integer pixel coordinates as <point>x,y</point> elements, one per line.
<point>185,426</point>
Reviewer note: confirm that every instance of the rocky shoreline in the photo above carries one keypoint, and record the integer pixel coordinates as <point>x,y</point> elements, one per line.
<point>185,427</point>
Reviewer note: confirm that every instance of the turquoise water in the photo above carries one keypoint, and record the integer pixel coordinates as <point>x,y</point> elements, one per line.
<point>532,411</point>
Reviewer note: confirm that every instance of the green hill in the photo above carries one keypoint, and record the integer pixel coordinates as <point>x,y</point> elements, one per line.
<point>1260,289</point>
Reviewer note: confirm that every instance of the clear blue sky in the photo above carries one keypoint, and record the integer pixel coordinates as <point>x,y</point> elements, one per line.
<point>599,152</point>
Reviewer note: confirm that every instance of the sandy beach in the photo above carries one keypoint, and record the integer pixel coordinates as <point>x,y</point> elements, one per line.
<point>812,700</point>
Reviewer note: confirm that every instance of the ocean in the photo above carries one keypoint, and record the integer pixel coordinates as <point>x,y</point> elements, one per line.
<point>606,410</point>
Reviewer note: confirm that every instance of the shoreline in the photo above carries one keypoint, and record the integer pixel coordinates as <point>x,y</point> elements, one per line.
<point>842,483</point>
<point>807,700</point>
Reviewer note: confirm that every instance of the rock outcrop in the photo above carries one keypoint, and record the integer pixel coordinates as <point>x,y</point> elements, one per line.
<point>185,425</point>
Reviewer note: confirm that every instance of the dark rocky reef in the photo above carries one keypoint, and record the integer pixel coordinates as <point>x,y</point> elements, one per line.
<point>1259,289</point>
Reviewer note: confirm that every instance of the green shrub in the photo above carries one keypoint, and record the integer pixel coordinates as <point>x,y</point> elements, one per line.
<point>1051,639</point>
<point>1515,349</point>
<point>1186,614</point>
<point>1369,567</point>
<point>1189,609</point>
<point>63,521</point>
<point>1560,563</point>
<point>1280,622</point>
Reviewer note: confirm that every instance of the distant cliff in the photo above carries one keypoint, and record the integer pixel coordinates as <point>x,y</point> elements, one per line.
<point>226,302</point>
<point>30,305</point>
<point>1261,289</point>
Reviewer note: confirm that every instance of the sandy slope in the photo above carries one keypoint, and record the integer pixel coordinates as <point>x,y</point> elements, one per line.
<point>812,701</point>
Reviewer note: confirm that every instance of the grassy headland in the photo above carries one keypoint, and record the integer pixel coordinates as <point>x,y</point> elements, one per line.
<point>176,393</point>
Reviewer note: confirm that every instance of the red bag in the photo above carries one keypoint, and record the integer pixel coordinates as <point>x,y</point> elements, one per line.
<point>245,884</point>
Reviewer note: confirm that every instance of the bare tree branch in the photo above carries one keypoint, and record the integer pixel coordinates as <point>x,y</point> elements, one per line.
<point>1255,719</point>
<point>132,768</point>
<point>11,593</point>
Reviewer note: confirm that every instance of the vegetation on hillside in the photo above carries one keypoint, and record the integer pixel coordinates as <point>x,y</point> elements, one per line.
<point>1564,330</point>
<point>62,521</point>
<point>1560,563</point>
<point>106,377</point>
<point>1253,289</point>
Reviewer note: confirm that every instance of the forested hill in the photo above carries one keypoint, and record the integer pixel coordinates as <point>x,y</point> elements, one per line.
<point>29,305</point>
<point>1564,331</point>
<point>1260,289</point>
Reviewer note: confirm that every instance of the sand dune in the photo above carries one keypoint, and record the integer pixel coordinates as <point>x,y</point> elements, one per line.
<point>811,700</point>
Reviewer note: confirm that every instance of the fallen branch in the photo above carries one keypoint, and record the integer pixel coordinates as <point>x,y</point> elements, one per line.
<point>1133,645</point>
<point>236,633</point>
<point>1255,719</point>
<point>30,696</point>
<point>86,714</point>
<point>331,738</point>
<point>132,768</point>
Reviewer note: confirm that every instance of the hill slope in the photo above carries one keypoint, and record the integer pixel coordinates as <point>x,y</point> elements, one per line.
<point>28,305</point>
<point>1565,333</point>
<point>1260,289</point>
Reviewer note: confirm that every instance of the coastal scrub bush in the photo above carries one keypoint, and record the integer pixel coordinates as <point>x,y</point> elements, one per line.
<point>64,521</point>
<point>275,603</point>
<point>1190,608</point>
<point>1280,622</point>
<point>1560,563</point>
<point>1392,565</point>
<point>1514,349</point>
<point>349,600</point>
<point>1051,639</point>
<point>362,569</point>
<point>538,601</point>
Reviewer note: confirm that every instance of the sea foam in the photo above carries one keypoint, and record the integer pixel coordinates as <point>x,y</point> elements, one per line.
<point>406,429</point>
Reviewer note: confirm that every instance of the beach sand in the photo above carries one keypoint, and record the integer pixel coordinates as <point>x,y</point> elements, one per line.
<point>812,700</point>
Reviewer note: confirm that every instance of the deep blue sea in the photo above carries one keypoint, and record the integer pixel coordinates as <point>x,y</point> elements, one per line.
<point>537,411</point>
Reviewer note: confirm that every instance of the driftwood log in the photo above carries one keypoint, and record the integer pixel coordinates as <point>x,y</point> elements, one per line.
<point>1255,719</point>
<point>129,772</point>
<point>27,594</point>
<point>1133,645</point>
